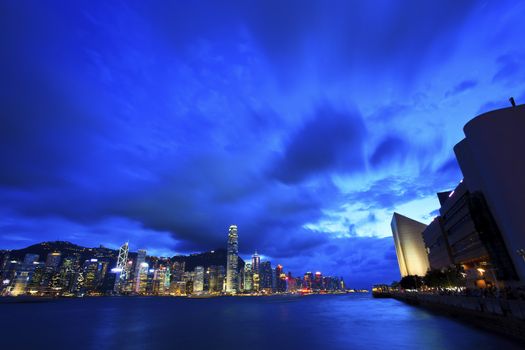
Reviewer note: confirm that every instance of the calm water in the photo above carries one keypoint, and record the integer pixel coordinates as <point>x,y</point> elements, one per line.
<point>313,322</point>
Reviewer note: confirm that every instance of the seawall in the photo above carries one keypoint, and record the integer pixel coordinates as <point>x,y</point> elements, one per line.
<point>503,316</point>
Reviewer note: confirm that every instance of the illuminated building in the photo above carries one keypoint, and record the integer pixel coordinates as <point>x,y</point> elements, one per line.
<point>141,270</point>
<point>317,283</point>
<point>410,248</point>
<point>265,276</point>
<point>121,270</point>
<point>491,160</point>
<point>53,260</point>
<point>256,262</point>
<point>280,276</point>
<point>161,280</point>
<point>232,278</point>
<point>198,281</point>
<point>248,278</point>
<point>93,274</point>
<point>308,280</point>
<point>291,285</point>
<point>141,278</point>
<point>24,275</point>
<point>178,269</point>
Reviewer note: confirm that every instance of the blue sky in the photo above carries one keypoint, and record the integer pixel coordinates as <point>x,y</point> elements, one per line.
<point>305,123</point>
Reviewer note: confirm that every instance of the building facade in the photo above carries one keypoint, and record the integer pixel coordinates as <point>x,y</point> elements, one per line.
<point>232,278</point>
<point>410,247</point>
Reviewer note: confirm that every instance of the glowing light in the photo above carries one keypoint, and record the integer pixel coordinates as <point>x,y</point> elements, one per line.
<point>451,194</point>
<point>116,270</point>
<point>144,264</point>
<point>94,260</point>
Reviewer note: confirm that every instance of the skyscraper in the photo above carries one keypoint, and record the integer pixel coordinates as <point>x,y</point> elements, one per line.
<point>248,278</point>
<point>265,276</point>
<point>121,269</point>
<point>231,260</point>
<point>198,282</point>
<point>410,247</point>
<point>141,268</point>
<point>256,262</point>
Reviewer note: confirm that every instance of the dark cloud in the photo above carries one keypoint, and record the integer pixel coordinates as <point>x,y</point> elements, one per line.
<point>331,140</point>
<point>391,149</point>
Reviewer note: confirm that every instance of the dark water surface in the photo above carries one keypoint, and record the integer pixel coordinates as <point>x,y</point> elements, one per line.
<point>312,322</point>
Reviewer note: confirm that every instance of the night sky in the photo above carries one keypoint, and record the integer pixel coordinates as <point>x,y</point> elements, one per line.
<point>305,124</point>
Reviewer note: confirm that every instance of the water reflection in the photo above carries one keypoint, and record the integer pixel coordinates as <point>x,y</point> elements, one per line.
<point>313,322</point>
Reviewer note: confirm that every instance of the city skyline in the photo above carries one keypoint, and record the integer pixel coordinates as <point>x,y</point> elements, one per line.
<point>64,269</point>
<point>308,125</point>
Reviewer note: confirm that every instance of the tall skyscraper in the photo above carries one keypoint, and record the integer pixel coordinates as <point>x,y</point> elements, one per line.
<point>248,278</point>
<point>121,270</point>
<point>256,262</point>
<point>141,270</point>
<point>231,260</point>
<point>410,247</point>
<point>198,281</point>
<point>265,276</point>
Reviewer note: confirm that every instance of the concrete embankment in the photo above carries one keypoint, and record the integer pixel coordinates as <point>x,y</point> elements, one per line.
<point>499,315</point>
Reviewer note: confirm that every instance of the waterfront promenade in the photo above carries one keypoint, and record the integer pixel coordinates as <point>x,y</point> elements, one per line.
<point>498,314</point>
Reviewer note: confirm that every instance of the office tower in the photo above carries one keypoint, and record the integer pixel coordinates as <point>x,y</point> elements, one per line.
<point>308,280</point>
<point>160,276</point>
<point>24,274</point>
<point>291,286</point>
<point>121,270</point>
<point>212,276</point>
<point>317,283</point>
<point>256,262</point>
<point>248,278</point>
<point>198,281</point>
<point>92,275</point>
<point>493,166</point>
<point>221,278</point>
<point>141,270</point>
<point>232,260</point>
<point>265,276</point>
<point>177,269</point>
<point>141,278</point>
<point>53,260</point>
<point>410,248</point>
<point>280,279</point>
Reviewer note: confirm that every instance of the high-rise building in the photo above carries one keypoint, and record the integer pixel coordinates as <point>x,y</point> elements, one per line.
<point>24,274</point>
<point>256,262</point>
<point>121,270</point>
<point>410,247</point>
<point>265,276</point>
<point>232,260</point>
<point>280,279</point>
<point>53,260</point>
<point>198,281</point>
<point>248,278</point>
<point>141,270</point>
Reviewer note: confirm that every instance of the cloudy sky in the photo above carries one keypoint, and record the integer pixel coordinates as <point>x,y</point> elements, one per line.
<point>307,124</point>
